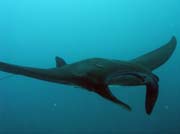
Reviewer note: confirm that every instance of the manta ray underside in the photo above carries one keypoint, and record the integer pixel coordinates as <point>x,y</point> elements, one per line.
<point>96,74</point>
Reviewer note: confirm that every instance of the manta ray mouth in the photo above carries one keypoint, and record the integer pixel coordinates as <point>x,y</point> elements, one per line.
<point>119,75</point>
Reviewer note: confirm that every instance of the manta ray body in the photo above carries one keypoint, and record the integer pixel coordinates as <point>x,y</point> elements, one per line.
<point>96,74</point>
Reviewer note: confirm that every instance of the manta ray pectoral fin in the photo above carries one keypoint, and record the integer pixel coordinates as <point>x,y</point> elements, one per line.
<point>151,96</point>
<point>156,58</point>
<point>59,62</point>
<point>106,93</point>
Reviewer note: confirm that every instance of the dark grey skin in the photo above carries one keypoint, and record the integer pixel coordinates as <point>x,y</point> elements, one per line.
<point>96,74</point>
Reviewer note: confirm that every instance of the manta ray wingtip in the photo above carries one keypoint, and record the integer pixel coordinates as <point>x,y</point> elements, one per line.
<point>129,108</point>
<point>173,40</point>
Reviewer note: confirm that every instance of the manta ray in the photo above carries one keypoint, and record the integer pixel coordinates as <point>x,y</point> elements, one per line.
<point>96,74</point>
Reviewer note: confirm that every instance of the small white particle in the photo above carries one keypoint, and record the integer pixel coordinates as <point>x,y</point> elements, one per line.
<point>166,107</point>
<point>54,104</point>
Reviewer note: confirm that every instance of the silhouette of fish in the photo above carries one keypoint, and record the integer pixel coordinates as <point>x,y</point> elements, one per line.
<point>96,74</point>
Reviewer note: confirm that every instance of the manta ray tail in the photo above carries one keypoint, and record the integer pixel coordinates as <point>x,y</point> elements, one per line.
<point>157,57</point>
<point>42,74</point>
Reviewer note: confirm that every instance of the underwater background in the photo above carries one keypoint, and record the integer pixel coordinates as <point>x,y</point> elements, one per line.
<point>33,32</point>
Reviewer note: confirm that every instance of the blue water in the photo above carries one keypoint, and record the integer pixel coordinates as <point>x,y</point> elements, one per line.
<point>33,32</point>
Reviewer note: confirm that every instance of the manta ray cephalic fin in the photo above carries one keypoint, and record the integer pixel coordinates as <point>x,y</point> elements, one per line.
<point>152,89</point>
